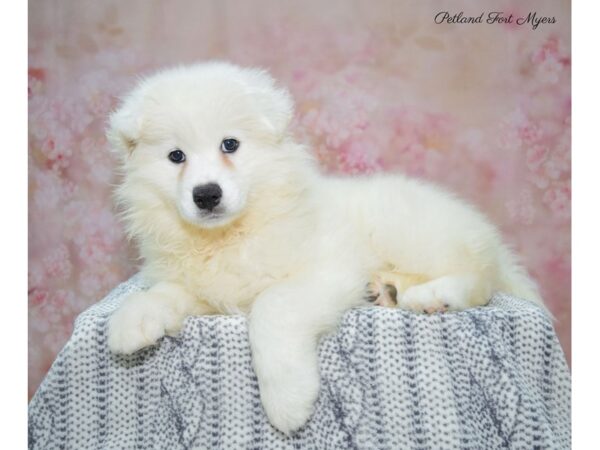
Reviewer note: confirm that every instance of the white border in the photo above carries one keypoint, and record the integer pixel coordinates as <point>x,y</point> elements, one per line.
<point>13,235</point>
<point>586,223</point>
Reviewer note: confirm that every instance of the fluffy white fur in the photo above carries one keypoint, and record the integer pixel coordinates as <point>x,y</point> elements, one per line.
<point>293,248</point>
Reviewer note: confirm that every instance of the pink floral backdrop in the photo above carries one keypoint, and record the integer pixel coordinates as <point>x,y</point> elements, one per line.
<point>482,109</point>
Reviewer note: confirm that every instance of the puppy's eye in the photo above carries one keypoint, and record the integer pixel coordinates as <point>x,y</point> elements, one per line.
<point>177,156</point>
<point>229,145</point>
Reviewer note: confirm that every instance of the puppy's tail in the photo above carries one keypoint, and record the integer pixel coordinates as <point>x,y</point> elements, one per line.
<point>515,280</point>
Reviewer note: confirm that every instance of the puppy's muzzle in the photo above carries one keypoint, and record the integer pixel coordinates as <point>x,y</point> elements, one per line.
<point>207,196</point>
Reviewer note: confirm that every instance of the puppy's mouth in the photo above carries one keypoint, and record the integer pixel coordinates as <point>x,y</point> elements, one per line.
<point>214,218</point>
<point>214,214</point>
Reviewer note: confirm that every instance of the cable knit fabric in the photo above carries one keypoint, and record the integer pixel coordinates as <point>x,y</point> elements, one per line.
<point>485,378</point>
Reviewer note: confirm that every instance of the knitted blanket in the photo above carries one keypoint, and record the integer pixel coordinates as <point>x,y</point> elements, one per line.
<point>485,378</point>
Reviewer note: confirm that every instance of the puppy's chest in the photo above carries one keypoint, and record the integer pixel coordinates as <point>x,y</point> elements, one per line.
<point>230,280</point>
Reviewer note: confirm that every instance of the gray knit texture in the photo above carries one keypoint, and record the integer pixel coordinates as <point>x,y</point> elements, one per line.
<point>485,378</point>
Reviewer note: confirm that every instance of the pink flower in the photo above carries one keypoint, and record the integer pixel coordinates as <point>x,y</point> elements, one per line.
<point>57,150</point>
<point>98,160</point>
<point>555,167</point>
<point>529,132</point>
<point>97,282</point>
<point>551,59</point>
<point>558,199</point>
<point>37,297</point>
<point>339,111</point>
<point>353,159</point>
<point>550,71</point>
<point>58,264</point>
<point>552,48</point>
<point>48,192</point>
<point>95,90</point>
<point>521,208</point>
<point>536,156</point>
<point>36,77</point>
<point>57,309</point>
<point>93,250</point>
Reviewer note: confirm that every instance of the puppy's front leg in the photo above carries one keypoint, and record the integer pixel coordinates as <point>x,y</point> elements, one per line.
<point>285,325</point>
<point>144,317</point>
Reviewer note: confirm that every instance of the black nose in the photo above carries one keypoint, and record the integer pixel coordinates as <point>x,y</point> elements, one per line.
<point>207,196</point>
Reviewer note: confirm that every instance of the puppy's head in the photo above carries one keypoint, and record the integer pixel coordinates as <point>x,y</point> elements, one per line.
<point>201,140</point>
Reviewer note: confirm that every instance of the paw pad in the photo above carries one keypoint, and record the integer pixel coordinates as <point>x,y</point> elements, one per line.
<point>382,294</point>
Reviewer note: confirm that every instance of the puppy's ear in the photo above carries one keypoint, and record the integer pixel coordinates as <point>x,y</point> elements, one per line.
<point>278,110</point>
<point>274,102</point>
<point>124,126</point>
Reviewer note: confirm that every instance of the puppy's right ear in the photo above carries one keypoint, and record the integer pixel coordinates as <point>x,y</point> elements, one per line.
<point>124,127</point>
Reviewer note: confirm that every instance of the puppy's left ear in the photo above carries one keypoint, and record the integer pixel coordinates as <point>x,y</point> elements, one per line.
<point>124,126</point>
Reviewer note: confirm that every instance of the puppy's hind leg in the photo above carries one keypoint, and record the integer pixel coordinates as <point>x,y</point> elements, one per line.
<point>451,292</point>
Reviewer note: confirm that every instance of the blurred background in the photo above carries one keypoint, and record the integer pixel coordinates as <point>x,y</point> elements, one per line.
<point>481,109</point>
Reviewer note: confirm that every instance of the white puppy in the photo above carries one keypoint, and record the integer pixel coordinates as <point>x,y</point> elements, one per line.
<point>231,215</point>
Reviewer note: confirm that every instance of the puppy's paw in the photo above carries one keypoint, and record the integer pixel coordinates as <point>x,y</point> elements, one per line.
<point>382,294</point>
<point>142,319</point>
<point>439,295</point>
<point>289,401</point>
<point>288,382</point>
<point>422,299</point>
